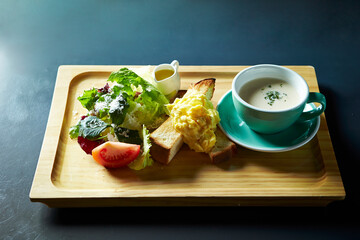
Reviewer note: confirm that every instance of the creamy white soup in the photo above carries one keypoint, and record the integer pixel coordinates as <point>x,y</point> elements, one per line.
<point>269,94</point>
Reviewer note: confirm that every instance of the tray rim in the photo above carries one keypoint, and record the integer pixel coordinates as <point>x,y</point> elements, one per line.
<point>40,191</point>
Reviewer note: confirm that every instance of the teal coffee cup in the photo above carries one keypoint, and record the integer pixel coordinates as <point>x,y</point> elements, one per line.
<point>270,98</point>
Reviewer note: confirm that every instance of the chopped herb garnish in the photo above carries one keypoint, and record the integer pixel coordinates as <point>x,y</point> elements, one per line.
<point>271,96</point>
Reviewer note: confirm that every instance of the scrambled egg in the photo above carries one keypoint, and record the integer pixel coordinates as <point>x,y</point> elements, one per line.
<point>195,118</point>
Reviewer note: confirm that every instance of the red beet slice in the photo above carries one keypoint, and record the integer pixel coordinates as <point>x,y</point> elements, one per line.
<point>88,145</point>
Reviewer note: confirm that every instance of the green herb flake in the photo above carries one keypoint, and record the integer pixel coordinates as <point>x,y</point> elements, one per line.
<point>271,96</point>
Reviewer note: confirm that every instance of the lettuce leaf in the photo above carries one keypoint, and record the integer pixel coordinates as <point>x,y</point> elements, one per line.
<point>146,102</point>
<point>88,98</point>
<point>143,160</point>
<point>128,136</point>
<point>118,109</point>
<point>74,131</point>
<point>91,128</point>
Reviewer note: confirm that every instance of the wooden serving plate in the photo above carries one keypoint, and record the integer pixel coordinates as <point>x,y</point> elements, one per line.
<point>67,177</point>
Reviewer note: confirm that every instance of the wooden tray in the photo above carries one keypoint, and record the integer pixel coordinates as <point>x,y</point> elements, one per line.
<point>67,177</point>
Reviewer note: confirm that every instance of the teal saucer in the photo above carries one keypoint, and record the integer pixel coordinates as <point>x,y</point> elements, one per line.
<point>294,137</point>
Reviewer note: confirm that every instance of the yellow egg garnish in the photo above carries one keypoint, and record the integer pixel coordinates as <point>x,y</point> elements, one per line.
<point>195,118</point>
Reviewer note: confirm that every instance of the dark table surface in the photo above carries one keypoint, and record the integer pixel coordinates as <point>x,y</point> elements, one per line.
<point>38,36</point>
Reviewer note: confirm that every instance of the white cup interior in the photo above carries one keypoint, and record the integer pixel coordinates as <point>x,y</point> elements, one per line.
<point>271,71</point>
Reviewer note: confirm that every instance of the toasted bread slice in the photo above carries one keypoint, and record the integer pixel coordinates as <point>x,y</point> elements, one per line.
<point>165,140</point>
<point>205,86</point>
<point>224,149</point>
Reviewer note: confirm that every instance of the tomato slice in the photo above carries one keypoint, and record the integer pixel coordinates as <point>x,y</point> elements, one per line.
<point>115,154</point>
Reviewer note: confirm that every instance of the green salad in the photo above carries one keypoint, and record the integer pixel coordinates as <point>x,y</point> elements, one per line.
<point>122,113</point>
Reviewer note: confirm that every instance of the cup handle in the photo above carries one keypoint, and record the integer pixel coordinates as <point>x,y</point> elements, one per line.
<point>314,97</point>
<point>175,64</point>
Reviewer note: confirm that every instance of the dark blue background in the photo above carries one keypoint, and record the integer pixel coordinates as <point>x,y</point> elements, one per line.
<point>38,36</point>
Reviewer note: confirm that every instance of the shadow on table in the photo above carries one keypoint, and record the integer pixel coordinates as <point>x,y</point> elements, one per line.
<point>335,213</point>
